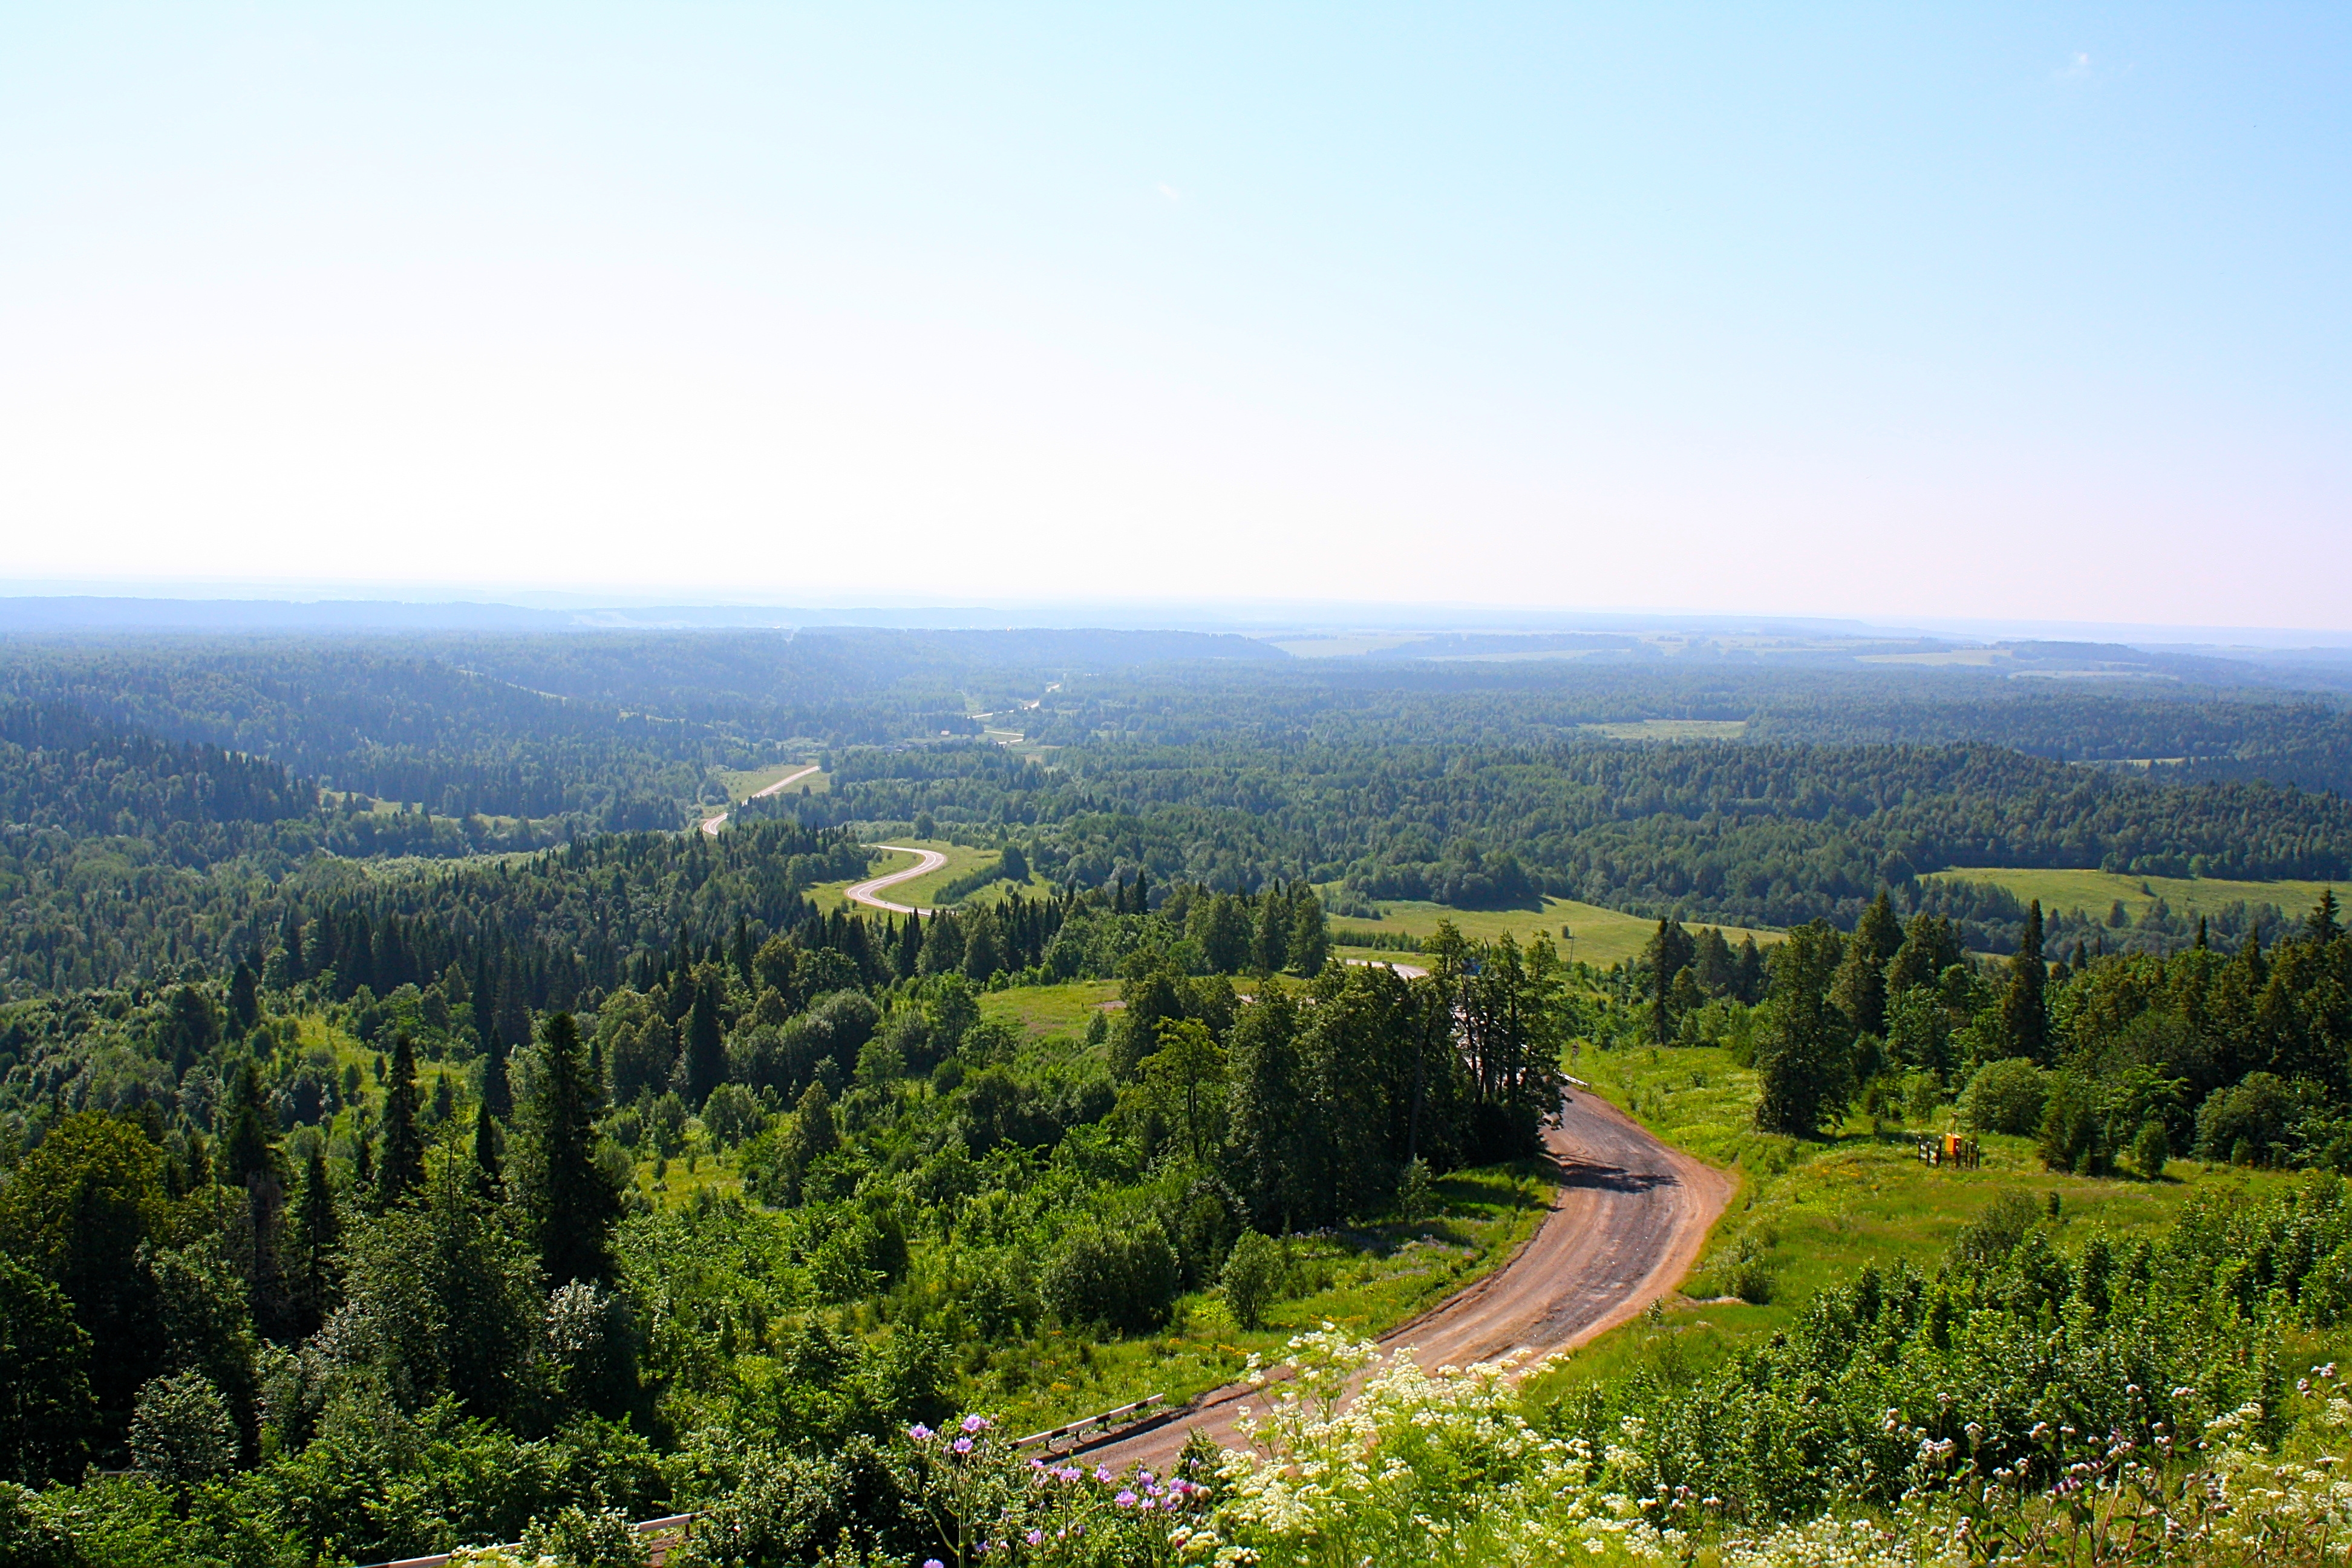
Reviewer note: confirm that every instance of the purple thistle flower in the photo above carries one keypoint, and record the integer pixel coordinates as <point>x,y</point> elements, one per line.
<point>975,1423</point>
<point>919,1433</point>
<point>1125,1499</point>
<point>963,1445</point>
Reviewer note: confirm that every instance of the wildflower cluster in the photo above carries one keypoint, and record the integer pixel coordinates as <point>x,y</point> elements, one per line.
<point>988,1504</point>
<point>1443,1467</point>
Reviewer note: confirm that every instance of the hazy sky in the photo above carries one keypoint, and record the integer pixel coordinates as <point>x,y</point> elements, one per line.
<point>2027,312</point>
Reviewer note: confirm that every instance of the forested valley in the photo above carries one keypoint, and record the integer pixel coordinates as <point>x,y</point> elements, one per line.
<point>428,1123</point>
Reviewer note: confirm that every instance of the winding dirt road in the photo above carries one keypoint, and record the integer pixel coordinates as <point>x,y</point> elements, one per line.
<point>863,892</point>
<point>711,823</point>
<point>1628,1216</point>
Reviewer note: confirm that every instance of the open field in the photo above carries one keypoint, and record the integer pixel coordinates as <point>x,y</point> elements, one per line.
<point>2094,892</point>
<point>1042,1011</point>
<point>1673,730</point>
<point>743,785</point>
<point>1602,936</point>
<point>1818,1211</point>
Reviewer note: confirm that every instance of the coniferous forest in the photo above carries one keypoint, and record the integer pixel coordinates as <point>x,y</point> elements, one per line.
<point>443,1105</point>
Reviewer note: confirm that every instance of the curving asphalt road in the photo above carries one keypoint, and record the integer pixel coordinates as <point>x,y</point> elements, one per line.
<point>863,892</point>
<point>1628,1216</point>
<point>711,823</point>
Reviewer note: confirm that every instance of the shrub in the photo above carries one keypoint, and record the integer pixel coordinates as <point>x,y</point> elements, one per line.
<point>578,1539</point>
<point>732,1114</point>
<point>1123,1279</point>
<point>2250,1122</point>
<point>1751,1279</point>
<point>2006,1095</point>
<point>2072,1136</point>
<point>180,1431</point>
<point>2152,1148</point>
<point>1250,1274</point>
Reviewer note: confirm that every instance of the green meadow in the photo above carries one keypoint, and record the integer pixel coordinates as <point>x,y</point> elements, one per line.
<point>2095,892</point>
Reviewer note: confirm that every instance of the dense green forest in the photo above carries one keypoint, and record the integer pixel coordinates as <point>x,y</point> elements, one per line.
<point>416,1132</point>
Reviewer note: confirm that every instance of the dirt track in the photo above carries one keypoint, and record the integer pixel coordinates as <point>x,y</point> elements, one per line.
<point>865,892</point>
<point>710,824</point>
<point>1627,1220</point>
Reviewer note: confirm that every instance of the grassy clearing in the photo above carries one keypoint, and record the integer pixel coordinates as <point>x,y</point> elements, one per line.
<point>673,1184</point>
<point>2094,892</point>
<point>1602,936</point>
<point>1042,1012</point>
<point>1817,1211</point>
<point>1673,730</point>
<point>315,1034</point>
<point>743,786</point>
<point>1342,646</point>
<point>1364,1280</point>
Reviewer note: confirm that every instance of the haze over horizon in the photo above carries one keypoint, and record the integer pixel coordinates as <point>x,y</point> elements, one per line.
<point>2025,314</point>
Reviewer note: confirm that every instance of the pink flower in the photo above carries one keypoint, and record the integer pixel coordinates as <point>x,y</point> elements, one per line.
<point>963,1445</point>
<point>1035,1538</point>
<point>1102,1474</point>
<point>933,1563</point>
<point>919,1433</point>
<point>975,1423</point>
<point>1125,1499</point>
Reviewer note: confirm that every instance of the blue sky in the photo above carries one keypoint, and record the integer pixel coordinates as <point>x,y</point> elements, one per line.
<point>2031,313</point>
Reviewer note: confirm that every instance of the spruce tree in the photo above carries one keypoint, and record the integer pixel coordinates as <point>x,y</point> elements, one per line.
<point>1270,943</point>
<point>245,1151</point>
<point>2025,1014</point>
<point>400,1164</point>
<point>498,1089</point>
<point>244,999</point>
<point>1670,952</point>
<point>1310,938</point>
<point>489,1179</point>
<point>317,1234</point>
<point>1804,1045</point>
<point>706,1047</point>
<point>1861,988</point>
<point>512,1017</point>
<point>572,1201</point>
<point>2322,924</point>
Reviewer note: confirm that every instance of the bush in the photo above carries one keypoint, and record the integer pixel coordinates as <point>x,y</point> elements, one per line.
<point>1125,1280</point>
<point>578,1539</point>
<point>1251,1271</point>
<point>2072,1136</point>
<point>2006,1095</point>
<point>180,1431</point>
<point>2151,1149</point>
<point>2250,1123</point>
<point>732,1114</point>
<point>1751,1279</point>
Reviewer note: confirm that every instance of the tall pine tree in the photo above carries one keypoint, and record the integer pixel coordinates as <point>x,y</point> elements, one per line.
<point>572,1201</point>
<point>315,1247</point>
<point>489,1178</point>
<point>400,1164</point>
<point>704,1062</point>
<point>2025,1014</point>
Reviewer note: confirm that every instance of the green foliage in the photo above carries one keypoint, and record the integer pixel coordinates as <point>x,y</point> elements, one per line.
<point>1123,1279</point>
<point>1803,1051</point>
<point>181,1430</point>
<point>46,1415</point>
<point>2007,1096</point>
<point>568,1193</point>
<point>1252,1269</point>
